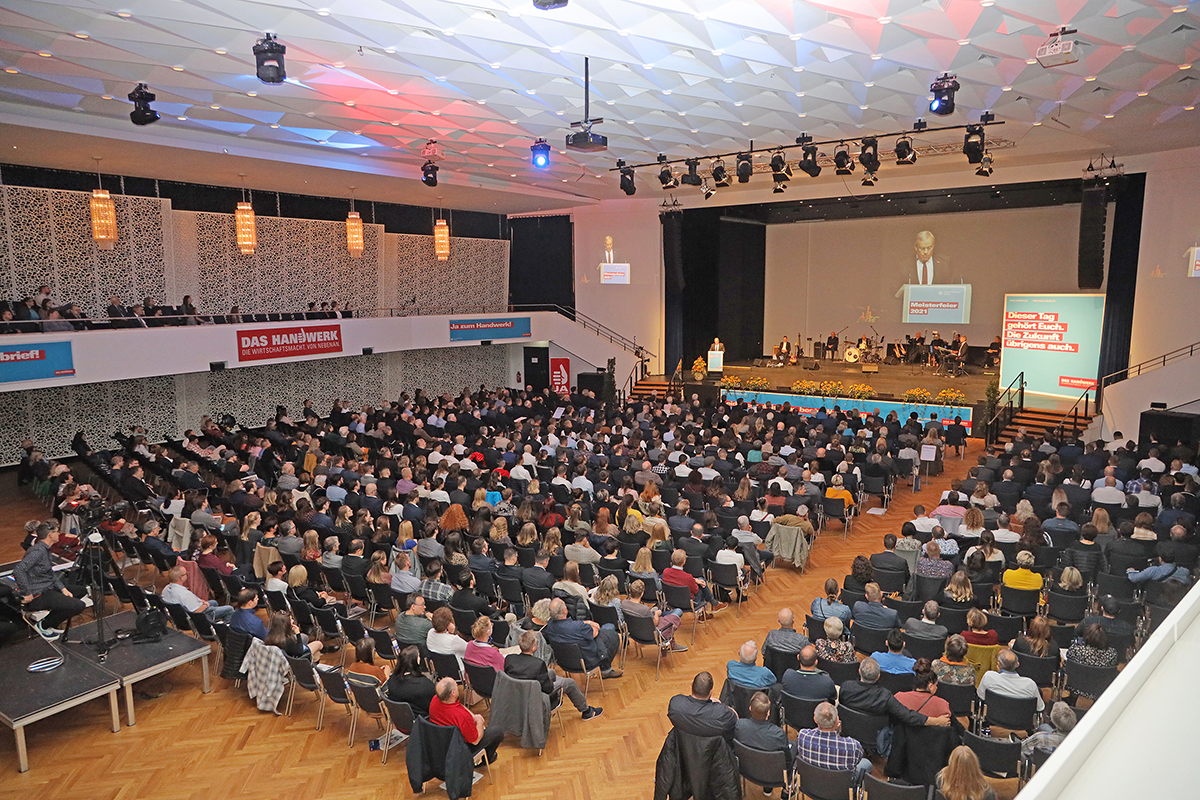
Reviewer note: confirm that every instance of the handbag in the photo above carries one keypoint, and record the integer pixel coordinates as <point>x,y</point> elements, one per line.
<point>151,625</point>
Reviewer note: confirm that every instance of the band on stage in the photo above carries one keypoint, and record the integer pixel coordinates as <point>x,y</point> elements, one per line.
<point>950,356</point>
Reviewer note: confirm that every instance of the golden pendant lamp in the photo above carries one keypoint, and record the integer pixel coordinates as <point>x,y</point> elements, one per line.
<point>247,234</point>
<point>104,215</point>
<point>441,240</point>
<point>354,230</point>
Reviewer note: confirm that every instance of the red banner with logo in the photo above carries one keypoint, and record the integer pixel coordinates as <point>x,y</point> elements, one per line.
<point>560,375</point>
<point>299,340</point>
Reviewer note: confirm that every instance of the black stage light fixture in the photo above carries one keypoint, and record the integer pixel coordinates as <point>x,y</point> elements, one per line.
<point>627,183</point>
<point>142,113</point>
<point>779,167</point>
<point>268,59</point>
<point>868,154</point>
<point>719,173</point>
<point>985,165</point>
<point>429,174</point>
<point>905,153</point>
<point>842,162</point>
<point>540,152</point>
<point>808,163</point>
<point>973,144</point>
<point>706,190</point>
<point>745,167</point>
<point>692,178</point>
<point>869,179</point>
<point>665,176</point>
<point>943,90</point>
<point>549,5</point>
<point>779,187</point>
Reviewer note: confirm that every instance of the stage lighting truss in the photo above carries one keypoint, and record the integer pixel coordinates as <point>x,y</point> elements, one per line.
<point>780,171</point>
<point>974,141</point>
<point>745,167</point>
<point>842,161</point>
<point>665,176</point>
<point>720,175</point>
<point>868,154</point>
<point>905,152</point>
<point>692,178</point>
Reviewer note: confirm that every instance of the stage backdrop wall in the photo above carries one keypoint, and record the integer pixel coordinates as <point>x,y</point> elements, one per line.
<point>825,276</point>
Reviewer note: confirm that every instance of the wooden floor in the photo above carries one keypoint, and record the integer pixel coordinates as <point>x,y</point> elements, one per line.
<point>190,745</point>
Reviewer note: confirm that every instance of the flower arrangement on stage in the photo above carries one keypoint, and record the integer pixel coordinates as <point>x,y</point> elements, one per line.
<point>757,384</point>
<point>732,382</point>
<point>951,397</point>
<point>806,387</point>
<point>917,397</point>
<point>859,391</point>
<point>830,389</point>
<point>699,368</point>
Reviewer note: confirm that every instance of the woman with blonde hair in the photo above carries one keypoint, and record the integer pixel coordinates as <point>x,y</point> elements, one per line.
<point>643,570</point>
<point>660,538</point>
<point>575,521</point>
<point>311,549</point>
<point>1024,511</point>
<point>404,532</point>
<point>608,593</point>
<point>1102,522</point>
<point>378,571</point>
<point>249,539</point>
<point>527,536</point>
<point>744,490</point>
<point>1070,583</point>
<point>499,532</point>
<point>959,592</point>
<point>962,779</point>
<point>983,497</point>
<point>455,519</point>
<point>553,542</point>
<point>570,581</point>
<point>480,500</point>
<point>972,524</point>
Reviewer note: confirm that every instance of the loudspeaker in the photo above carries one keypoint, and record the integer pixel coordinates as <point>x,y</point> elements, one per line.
<point>1093,213</point>
<point>216,366</point>
<point>593,381</point>
<point>813,365</point>
<point>760,362</point>
<point>870,368</point>
<point>485,343</point>
<point>672,227</point>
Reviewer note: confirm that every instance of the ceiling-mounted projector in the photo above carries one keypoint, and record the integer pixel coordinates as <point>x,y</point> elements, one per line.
<point>586,141</point>
<point>1057,52</point>
<point>549,5</point>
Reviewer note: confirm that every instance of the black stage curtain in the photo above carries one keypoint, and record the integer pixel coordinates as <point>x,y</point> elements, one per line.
<point>672,228</point>
<point>1122,274</point>
<point>541,264</point>
<point>741,288</point>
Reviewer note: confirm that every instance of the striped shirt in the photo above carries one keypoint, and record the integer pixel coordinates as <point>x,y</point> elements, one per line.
<point>828,749</point>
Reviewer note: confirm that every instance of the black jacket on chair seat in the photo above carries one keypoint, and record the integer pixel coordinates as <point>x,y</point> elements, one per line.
<point>703,767</point>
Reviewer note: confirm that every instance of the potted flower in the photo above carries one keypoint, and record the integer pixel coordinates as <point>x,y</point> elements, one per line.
<point>731,382</point>
<point>860,391</point>
<point>917,397</point>
<point>951,397</point>
<point>805,387</point>
<point>699,370</point>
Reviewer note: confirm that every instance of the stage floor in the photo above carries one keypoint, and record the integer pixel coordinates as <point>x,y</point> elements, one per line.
<point>894,380</point>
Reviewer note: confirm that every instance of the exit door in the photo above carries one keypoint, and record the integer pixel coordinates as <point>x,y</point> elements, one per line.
<point>537,367</point>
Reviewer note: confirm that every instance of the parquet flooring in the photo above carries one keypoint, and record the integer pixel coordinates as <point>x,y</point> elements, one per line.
<point>190,745</point>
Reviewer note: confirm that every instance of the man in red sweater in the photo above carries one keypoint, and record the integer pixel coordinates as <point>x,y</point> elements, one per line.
<point>676,575</point>
<point>445,709</point>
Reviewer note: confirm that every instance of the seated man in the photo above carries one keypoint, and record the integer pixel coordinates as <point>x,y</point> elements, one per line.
<point>867,696</point>
<point>894,660</point>
<point>443,638</point>
<point>1049,737</point>
<point>41,588</point>
<point>175,592</point>
<point>1007,682</point>
<point>667,624</point>
<point>698,714</point>
<point>873,613</point>
<point>597,645</point>
<point>926,626</point>
<point>526,666</point>
<point>676,575</point>
<point>760,733</point>
<point>826,748</point>
<point>413,626</point>
<point>445,709</point>
<point>808,682</point>
<point>745,671</point>
<point>786,638</point>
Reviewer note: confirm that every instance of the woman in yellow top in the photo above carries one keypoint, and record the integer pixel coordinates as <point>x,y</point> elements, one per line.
<point>837,490</point>
<point>1023,577</point>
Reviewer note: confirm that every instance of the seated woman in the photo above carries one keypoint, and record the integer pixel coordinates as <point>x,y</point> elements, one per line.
<point>829,605</point>
<point>608,593</point>
<point>570,582</point>
<point>861,573</point>
<point>774,501</point>
<point>297,579</point>
<point>761,513</point>
<point>837,490</point>
<point>833,647</point>
<point>1092,649</point>
<point>959,592</point>
<point>987,546</point>
<point>977,630</point>
<point>953,667</point>
<point>311,549</point>
<point>631,531</point>
<point>1036,640</point>
<point>931,564</point>
<point>1023,577</point>
<point>285,634</point>
<point>923,697</point>
<point>244,620</point>
<point>480,650</point>
<point>553,542</point>
<point>1070,583</point>
<point>978,569</point>
<point>408,683</point>
<point>972,524</point>
<point>660,538</point>
<point>610,556</point>
<point>643,570</point>
<point>364,667</point>
<point>208,556</point>
<point>962,778</point>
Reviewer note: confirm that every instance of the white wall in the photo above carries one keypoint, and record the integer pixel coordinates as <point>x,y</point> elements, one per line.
<point>1123,403</point>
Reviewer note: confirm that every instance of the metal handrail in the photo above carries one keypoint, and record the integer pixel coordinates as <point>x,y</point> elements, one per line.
<point>1073,413</point>
<point>599,328</point>
<point>1186,351</point>
<point>994,426</point>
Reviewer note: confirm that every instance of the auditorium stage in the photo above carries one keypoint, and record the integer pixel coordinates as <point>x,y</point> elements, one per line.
<point>892,380</point>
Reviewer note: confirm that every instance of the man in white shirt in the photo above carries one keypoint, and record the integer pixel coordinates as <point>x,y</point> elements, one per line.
<point>921,521</point>
<point>781,481</point>
<point>1108,493</point>
<point>560,476</point>
<point>707,472</point>
<point>1002,533</point>
<point>1152,462</point>
<point>520,473</point>
<point>176,592</point>
<point>581,481</point>
<point>730,555</point>
<point>1007,682</point>
<point>683,470</point>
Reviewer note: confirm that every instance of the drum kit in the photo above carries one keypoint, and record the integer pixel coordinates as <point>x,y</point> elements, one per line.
<point>867,351</point>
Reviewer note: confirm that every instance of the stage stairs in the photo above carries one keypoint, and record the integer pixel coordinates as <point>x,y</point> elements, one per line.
<point>1037,421</point>
<point>651,385</point>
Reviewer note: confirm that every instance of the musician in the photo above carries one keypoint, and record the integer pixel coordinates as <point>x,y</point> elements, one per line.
<point>937,347</point>
<point>785,351</point>
<point>993,354</point>
<point>961,355</point>
<point>831,345</point>
<point>917,348</point>
<point>864,343</point>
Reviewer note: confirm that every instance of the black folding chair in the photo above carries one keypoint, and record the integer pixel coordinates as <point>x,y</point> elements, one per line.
<point>891,581</point>
<point>1020,602</point>
<point>838,670</point>
<point>304,675</point>
<point>1041,670</point>
<point>998,758</point>
<point>896,682</point>
<point>681,597</point>
<point>927,588</point>
<point>920,647</point>
<point>835,508</point>
<point>481,679</point>
<point>1067,607</point>
<point>864,728</point>
<point>1007,628</point>
<point>768,769</point>
<point>643,632</point>
<point>333,681</point>
<point>779,661</point>
<point>445,665</point>
<point>401,717</point>
<point>1087,681</point>
<point>570,660</point>
<point>729,578</point>
<point>1010,713</point>
<point>824,784</point>
<point>870,640</point>
<point>875,789</point>
<point>961,697</point>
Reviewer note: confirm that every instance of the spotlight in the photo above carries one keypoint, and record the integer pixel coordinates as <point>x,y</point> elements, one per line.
<point>627,183</point>
<point>719,173</point>
<point>693,177</point>
<point>973,144</point>
<point>268,58</point>
<point>843,163</point>
<point>779,167</point>
<point>745,167</point>
<point>985,165</point>
<point>905,154</point>
<point>869,179</point>
<point>665,176</point>
<point>808,164</point>
<point>549,5</point>
<point>541,154</point>
<point>868,154</point>
<point>429,174</point>
<point>706,190</point>
<point>142,113</point>
<point>779,187</point>
<point>943,90</point>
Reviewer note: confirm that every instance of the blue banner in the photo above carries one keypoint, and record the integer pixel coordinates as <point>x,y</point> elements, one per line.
<point>1055,340</point>
<point>478,330</point>
<point>35,361</point>
<point>809,405</point>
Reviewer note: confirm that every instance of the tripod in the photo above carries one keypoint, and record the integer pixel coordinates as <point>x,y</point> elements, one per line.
<point>95,551</point>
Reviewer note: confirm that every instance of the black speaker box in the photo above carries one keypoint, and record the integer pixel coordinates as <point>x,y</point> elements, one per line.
<point>1093,213</point>
<point>593,381</point>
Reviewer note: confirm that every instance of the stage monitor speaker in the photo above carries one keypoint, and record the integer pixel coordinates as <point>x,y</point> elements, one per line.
<point>1093,214</point>
<point>591,381</point>
<point>368,351</point>
<point>870,368</point>
<point>760,362</point>
<point>216,366</point>
<point>813,365</point>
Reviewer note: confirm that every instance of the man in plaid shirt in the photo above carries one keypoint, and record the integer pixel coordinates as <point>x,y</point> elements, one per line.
<point>824,747</point>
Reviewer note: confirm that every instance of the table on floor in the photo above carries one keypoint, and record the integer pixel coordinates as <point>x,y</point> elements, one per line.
<point>31,696</point>
<point>129,661</point>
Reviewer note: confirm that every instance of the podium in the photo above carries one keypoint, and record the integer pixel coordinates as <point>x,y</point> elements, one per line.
<point>716,361</point>
<point>937,303</point>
